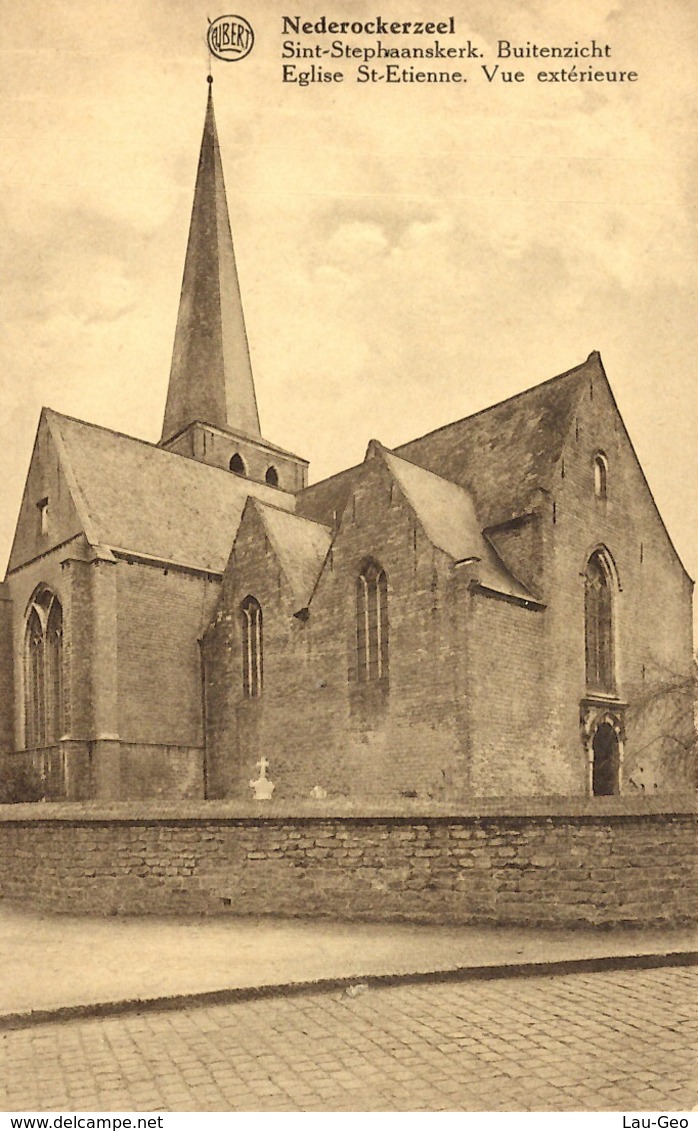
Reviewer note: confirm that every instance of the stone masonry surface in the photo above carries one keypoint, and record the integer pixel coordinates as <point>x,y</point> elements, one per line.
<point>608,1041</point>
<point>602,869</point>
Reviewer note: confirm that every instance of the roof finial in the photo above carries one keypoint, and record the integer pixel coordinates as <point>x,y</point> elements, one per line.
<point>209,79</point>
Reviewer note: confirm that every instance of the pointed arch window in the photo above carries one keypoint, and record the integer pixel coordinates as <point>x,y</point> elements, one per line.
<point>252,669</point>
<point>43,667</point>
<point>237,464</point>
<point>598,624</point>
<point>372,624</point>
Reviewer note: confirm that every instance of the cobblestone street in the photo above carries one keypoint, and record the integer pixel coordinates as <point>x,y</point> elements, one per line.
<point>602,1041</point>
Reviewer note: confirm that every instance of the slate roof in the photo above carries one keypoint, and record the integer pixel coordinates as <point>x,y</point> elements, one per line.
<point>502,455</point>
<point>135,496</point>
<point>132,495</point>
<point>447,514</point>
<point>301,547</point>
<point>211,373</point>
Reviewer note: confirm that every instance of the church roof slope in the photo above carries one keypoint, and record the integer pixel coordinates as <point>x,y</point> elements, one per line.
<point>138,497</point>
<point>325,500</point>
<point>301,547</point>
<point>501,455</point>
<point>448,517</point>
<point>507,452</point>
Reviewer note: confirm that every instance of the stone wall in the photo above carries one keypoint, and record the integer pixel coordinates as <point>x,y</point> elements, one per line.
<point>446,699</point>
<point>593,865</point>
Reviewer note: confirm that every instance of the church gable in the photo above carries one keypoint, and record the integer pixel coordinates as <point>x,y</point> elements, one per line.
<point>440,510</point>
<point>448,518</point>
<point>619,626</point>
<point>301,547</point>
<point>504,456</point>
<point>274,547</point>
<point>136,498</point>
<point>354,695</point>
<point>599,464</point>
<point>51,513</point>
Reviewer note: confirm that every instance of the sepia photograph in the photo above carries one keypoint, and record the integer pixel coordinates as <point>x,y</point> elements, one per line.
<point>348,536</point>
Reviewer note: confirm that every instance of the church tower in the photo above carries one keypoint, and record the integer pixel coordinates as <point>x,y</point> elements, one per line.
<point>211,412</point>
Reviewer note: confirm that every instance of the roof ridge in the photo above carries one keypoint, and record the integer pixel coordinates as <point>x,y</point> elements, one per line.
<point>105,428</point>
<point>149,444</point>
<point>290,514</point>
<point>425,470</point>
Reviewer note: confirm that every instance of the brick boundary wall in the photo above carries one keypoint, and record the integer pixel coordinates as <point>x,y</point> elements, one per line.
<point>558,869</point>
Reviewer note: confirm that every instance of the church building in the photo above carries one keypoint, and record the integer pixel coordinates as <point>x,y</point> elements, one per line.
<point>493,610</point>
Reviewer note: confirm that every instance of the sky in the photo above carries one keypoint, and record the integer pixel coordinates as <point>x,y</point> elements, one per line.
<point>407,253</point>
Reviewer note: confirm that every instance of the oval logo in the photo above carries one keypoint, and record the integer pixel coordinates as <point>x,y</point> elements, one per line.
<point>230,38</point>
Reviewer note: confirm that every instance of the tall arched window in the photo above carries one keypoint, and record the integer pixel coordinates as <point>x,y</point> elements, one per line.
<point>251,648</point>
<point>600,476</point>
<point>43,667</point>
<point>598,624</point>
<point>371,624</point>
<point>237,464</point>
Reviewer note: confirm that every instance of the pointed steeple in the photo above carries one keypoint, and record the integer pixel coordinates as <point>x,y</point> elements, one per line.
<point>211,375</point>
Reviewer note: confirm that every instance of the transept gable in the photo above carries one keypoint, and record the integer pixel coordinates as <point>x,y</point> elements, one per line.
<point>299,545</point>
<point>446,515</point>
<point>137,498</point>
<point>52,511</point>
<point>599,453</point>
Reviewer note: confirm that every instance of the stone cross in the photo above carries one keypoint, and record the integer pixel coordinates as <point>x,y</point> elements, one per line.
<point>263,788</point>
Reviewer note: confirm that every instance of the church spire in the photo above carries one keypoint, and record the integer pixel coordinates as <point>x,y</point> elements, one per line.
<point>211,375</point>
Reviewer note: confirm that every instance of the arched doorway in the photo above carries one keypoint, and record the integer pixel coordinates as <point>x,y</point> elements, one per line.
<point>605,771</point>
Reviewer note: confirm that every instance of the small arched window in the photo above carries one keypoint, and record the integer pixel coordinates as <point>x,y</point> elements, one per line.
<point>371,624</point>
<point>598,625</point>
<point>272,477</point>
<point>237,464</point>
<point>43,671</point>
<point>252,671</point>
<point>600,476</point>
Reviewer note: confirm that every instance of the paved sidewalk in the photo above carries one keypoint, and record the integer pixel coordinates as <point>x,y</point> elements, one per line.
<point>608,1041</point>
<point>61,962</point>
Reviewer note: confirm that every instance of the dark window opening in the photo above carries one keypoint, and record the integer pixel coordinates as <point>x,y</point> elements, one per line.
<point>42,507</point>
<point>272,477</point>
<point>606,764</point>
<point>600,476</point>
<point>237,464</point>
<point>598,625</point>
<point>251,648</point>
